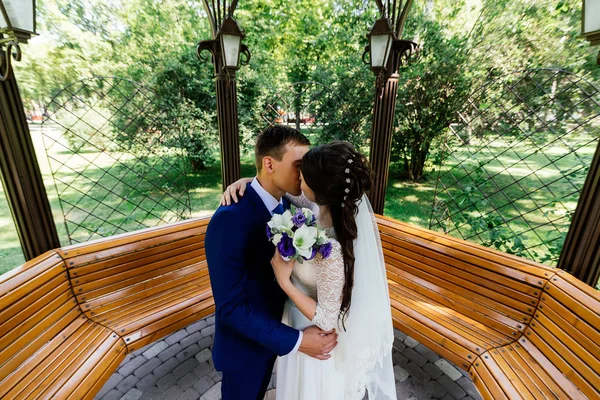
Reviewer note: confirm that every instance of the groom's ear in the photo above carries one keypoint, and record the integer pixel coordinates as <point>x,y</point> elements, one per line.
<point>268,164</point>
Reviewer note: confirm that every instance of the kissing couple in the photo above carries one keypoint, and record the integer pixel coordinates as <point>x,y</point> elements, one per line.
<point>328,319</point>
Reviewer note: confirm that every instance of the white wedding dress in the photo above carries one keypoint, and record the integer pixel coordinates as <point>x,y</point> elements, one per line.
<point>301,377</point>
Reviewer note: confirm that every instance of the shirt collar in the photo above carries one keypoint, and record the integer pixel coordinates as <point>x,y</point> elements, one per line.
<point>268,200</point>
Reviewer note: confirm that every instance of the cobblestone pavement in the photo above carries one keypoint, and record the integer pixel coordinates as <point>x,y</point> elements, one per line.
<point>180,367</point>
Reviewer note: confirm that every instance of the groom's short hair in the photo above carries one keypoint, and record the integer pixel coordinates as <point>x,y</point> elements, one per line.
<point>273,140</point>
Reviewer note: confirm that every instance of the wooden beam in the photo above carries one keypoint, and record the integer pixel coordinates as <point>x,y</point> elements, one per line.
<point>581,251</point>
<point>21,175</point>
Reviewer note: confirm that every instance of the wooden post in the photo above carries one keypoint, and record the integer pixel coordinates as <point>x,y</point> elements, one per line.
<point>581,251</point>
<point>384,108</point>
<point>227,111</point>
<point>21,175</point>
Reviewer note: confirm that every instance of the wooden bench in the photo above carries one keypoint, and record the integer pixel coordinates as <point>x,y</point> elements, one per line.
<point>521,329</point>
<point>69,317</point>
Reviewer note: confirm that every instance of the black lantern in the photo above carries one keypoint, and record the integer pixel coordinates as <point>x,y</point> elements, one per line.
<point>17,19</point>
<point>381,39</point>
<point>230,37</point>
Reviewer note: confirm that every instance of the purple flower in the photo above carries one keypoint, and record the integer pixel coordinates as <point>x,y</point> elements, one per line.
<point>325,249</point>
<point>299,218</point>
<point>314,253</point>
<point>286,246</point>
<point>269,234</point>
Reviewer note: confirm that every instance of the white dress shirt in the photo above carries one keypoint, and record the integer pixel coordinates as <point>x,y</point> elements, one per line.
<point>271,203</point>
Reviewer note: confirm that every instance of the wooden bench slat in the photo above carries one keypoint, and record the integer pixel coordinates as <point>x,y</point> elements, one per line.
<point>459,246</point>
<point>452,280</point>
<point>107,267</point>
<point>139,271</point>
<point>166,309</point>
<point>26,344</point>
<point>478,334</point>
<point>70,363</point>
<point>19,297</point>
<point>553,372</point>
<point>42,372</point>
<point>31,363</point>
<point>146,307</point>
<point>26,322</point>
<point>127,243</point>
<point>20,276</point>
<point>549,388</point>
<point>567,341</point>
<point>82,376</point>
<point>104,372</point>
<point>515,374</point>
<point>90,291</point>
<point>586,307</point>
<point>549,350</point>
<point>502,326</point>
<point>508,285</point>
<point>122,298</point>
<point>449,289</point>
<point>498,376</point>
<point>17,313</point>
<point>552,337</point>
<point>576,328</point>
<point>156,282</point>
<point>178,320</point>
<point>456,351</point>
<point>485,383</point>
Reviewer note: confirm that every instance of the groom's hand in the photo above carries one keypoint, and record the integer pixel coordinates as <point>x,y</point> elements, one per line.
<point>318,343</point>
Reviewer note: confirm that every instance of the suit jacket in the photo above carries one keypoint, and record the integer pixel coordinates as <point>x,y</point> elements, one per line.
<point>249,302</point>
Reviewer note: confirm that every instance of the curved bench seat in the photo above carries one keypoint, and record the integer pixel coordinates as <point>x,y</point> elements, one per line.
<point>523,330</point>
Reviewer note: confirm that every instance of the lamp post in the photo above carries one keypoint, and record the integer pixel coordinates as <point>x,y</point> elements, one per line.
<point>387,54</point>
<point>590,23</point>
<point>19,168</point>
<point>226,49</point>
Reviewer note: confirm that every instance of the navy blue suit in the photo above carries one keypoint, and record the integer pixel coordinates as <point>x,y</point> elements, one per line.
<point>249,303</point>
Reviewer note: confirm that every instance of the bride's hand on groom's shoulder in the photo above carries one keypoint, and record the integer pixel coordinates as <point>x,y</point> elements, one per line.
<point>236,188</point>
<point>318,343</point>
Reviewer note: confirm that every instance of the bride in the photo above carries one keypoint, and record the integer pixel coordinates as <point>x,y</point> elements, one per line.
<point>346,290</point>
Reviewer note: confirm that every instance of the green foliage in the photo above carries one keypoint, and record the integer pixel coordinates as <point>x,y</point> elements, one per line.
<point>430,92</point>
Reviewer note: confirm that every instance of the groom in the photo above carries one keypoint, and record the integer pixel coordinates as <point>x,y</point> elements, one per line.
<point>249,303</point>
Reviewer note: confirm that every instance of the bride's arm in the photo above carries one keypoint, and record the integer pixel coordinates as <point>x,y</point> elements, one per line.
<point>330,284</point>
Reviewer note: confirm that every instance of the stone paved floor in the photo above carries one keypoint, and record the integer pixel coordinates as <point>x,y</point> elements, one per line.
<point>180,367</point>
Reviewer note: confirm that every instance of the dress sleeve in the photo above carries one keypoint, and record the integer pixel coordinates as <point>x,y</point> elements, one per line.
<point>302,201</point>
<point>330,284</point>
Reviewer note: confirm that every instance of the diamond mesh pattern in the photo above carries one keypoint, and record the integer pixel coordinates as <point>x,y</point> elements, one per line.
<point>115,168</point>
<point>515,163</point>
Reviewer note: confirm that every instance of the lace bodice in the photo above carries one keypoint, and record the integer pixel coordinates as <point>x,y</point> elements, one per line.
<point>321,278</point>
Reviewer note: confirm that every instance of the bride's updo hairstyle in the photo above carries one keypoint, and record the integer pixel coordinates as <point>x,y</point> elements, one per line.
<point>339,176</point>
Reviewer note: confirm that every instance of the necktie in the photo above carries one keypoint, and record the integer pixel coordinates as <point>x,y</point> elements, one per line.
<point>279,209</point>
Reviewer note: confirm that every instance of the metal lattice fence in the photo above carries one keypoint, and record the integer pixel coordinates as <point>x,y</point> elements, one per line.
<point>318,112</point>
<point>514,165</point>
<point>116,166</point>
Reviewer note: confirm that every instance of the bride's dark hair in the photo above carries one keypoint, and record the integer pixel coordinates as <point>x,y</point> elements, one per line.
<point>339,176</point>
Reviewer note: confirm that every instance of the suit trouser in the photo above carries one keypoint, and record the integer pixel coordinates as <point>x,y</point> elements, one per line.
<point>249,384</point>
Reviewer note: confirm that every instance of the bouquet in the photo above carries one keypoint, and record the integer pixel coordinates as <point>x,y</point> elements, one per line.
<point>297,235</point>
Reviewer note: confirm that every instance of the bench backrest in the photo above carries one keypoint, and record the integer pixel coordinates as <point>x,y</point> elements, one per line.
<point>566,329</point>
<point>36,304</point>
<point>108,275</point>
<point>496,289</point>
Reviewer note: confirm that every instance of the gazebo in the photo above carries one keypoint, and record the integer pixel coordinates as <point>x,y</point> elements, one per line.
<point>131,316</point>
